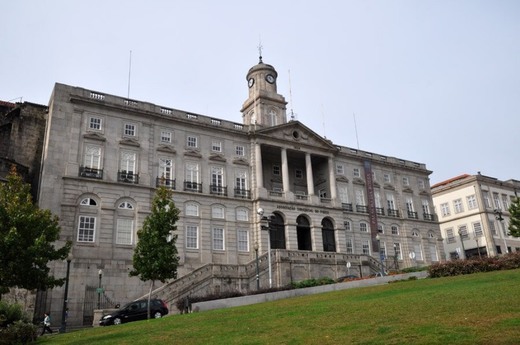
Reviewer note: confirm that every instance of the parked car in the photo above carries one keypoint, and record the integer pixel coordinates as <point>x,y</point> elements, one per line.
<point>134,311</point>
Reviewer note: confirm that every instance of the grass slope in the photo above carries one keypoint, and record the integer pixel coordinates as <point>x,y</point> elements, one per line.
<point>481,308</point>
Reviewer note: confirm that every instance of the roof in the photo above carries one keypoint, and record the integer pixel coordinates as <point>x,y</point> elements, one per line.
<point>453,179</point>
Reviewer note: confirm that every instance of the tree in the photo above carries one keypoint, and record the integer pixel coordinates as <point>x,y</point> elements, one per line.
<point>514,222</point>
<point>155,255</point>
<point>27,234</point>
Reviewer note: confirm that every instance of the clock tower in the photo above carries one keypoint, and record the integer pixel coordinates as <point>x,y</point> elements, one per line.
<point>264,107</point>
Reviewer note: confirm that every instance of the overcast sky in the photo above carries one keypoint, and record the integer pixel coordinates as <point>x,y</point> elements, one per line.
<point>435,82</point>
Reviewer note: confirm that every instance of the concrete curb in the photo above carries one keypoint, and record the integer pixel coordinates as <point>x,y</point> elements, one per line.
<point>273,296</point>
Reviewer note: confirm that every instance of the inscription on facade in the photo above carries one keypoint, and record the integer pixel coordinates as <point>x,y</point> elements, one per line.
<point>301,209</point>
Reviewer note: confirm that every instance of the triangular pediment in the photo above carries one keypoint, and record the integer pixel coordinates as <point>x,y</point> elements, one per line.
<point>298,134</point>
<point>217,157</point>
<point>166,148</point>
<point>129,142</point>
<point>94,136</point>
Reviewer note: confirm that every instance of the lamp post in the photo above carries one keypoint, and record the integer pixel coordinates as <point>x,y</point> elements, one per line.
<point>498,216</point>
<point>462,244</point>
<point>378,238</point>
<point>395,257</point>
<point>260,212</point>
<point>478,247</point>
<point>63,327</point>
<point>257,268</point>
<point>100,274</point>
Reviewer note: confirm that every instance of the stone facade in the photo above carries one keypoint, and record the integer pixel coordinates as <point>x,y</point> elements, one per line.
<point>323,204</point>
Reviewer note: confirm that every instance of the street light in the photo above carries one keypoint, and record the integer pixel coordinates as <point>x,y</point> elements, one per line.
<point>380,255</point>
<point>462,244</point>
<point>63,327</point>
<point>498,216</point>
<point>395,257</point>
<point>100,274</point>
<point>257,268</point>
<point>265,220</point>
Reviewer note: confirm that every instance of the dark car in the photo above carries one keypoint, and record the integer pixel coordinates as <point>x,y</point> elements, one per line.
<point>134,311</point>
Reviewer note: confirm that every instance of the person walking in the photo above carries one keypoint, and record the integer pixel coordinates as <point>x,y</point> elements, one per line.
<point>46,324</point>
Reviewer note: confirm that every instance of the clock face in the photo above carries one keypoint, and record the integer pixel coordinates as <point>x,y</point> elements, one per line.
<point>250,82</point>
<point>269,78</point>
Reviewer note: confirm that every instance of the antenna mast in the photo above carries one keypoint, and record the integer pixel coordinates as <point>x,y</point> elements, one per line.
<point>129,71</point>
<point>293,115</point>
<point>323,120</point>
<point>355,128</point>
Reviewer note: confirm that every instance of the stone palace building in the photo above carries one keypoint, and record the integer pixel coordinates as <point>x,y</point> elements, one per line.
<point>245,189</point>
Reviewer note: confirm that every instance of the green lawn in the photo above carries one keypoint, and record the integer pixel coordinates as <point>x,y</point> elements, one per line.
<point>481,308</point>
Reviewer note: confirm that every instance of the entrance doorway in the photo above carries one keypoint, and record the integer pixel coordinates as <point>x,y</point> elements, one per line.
<point>303,231</point>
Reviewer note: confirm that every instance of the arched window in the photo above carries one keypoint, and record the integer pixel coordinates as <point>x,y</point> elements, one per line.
<point>415,233</point>
<point>218,211</point>
<point>277,231</point>
<point>327,231</point>
<point>88,202</point>
<point>242,214</point>
<point>303,232</point>
<point>192,209</point>
<point>125,205</point>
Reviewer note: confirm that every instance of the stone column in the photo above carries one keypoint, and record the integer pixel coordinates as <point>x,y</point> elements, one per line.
<point>332,178</point>
<point>258,166</point>
<point>285,170</point>
<point>308,171</point>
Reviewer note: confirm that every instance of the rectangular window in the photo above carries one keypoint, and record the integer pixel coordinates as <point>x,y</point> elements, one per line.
<point>166,137</point>
<point>92,157</point>
<point>276,170</point>
<point>450,237</point>
<point>382,249</point>
<point>347,226</point>
<point>387,178</point>
<point>350,247</point>
<point>216,146</point>
<point>496,199</point>
<point>192,209</point>
<point>166,168</point>
<point>191,142</point>
<point>457,206</point>
<point>397,248</point>
<point>390,201</point>
<point>418,252</point>
<point>343,194</point>
<point>395,230</point>
<point>485,196</point>
<point>406,181</point>
<point>421,184</point>
<point>505,201</point>
<point>409,204</point>
<point>95,123</point>
<point>477,228</point>
<point>217,176</point>
<point>357,172</point>
<point>425,206</point>
<point>242,215</point>
<point>445,209</point>
<point>492,227</point>
<point>239,151</point>
<point>192,237</point>
<point>363,227</point>
<point>192,172</point>
<point>128,161</point>
<point>463,232</point>
<point>241,180</point>
<point>360,197</point>
<point>243,240</point>
<point>130,130</point>
<point>433,253</point>
<point>218,239</point>
<point>472,202</point>
<point>340,169</point>
<point>124,231</point>
<point>298,173</point>
<point>86,229</point>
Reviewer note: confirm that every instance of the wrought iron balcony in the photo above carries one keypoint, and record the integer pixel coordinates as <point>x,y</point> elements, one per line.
<point>217,190</point>
<point>362,208</point>
<point>127,177</point>
<point>161,181</point>
<point>242,193</point>
<point>393,213</point>
<point>380,211</point>
<point>347,206</point>
<point>412,214</point>
<point>429,216</point>
<point>90,172</point>
<point>192,187</point>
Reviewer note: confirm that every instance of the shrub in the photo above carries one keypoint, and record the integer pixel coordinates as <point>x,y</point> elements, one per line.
<point>458,267</point>
<point>9,313</point>
<point>19,332</point>
<point>312,282</point>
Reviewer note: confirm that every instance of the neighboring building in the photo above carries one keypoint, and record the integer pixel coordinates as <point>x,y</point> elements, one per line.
<point>105,155</point>
<point>22,128</point>
<point>469,208</point>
